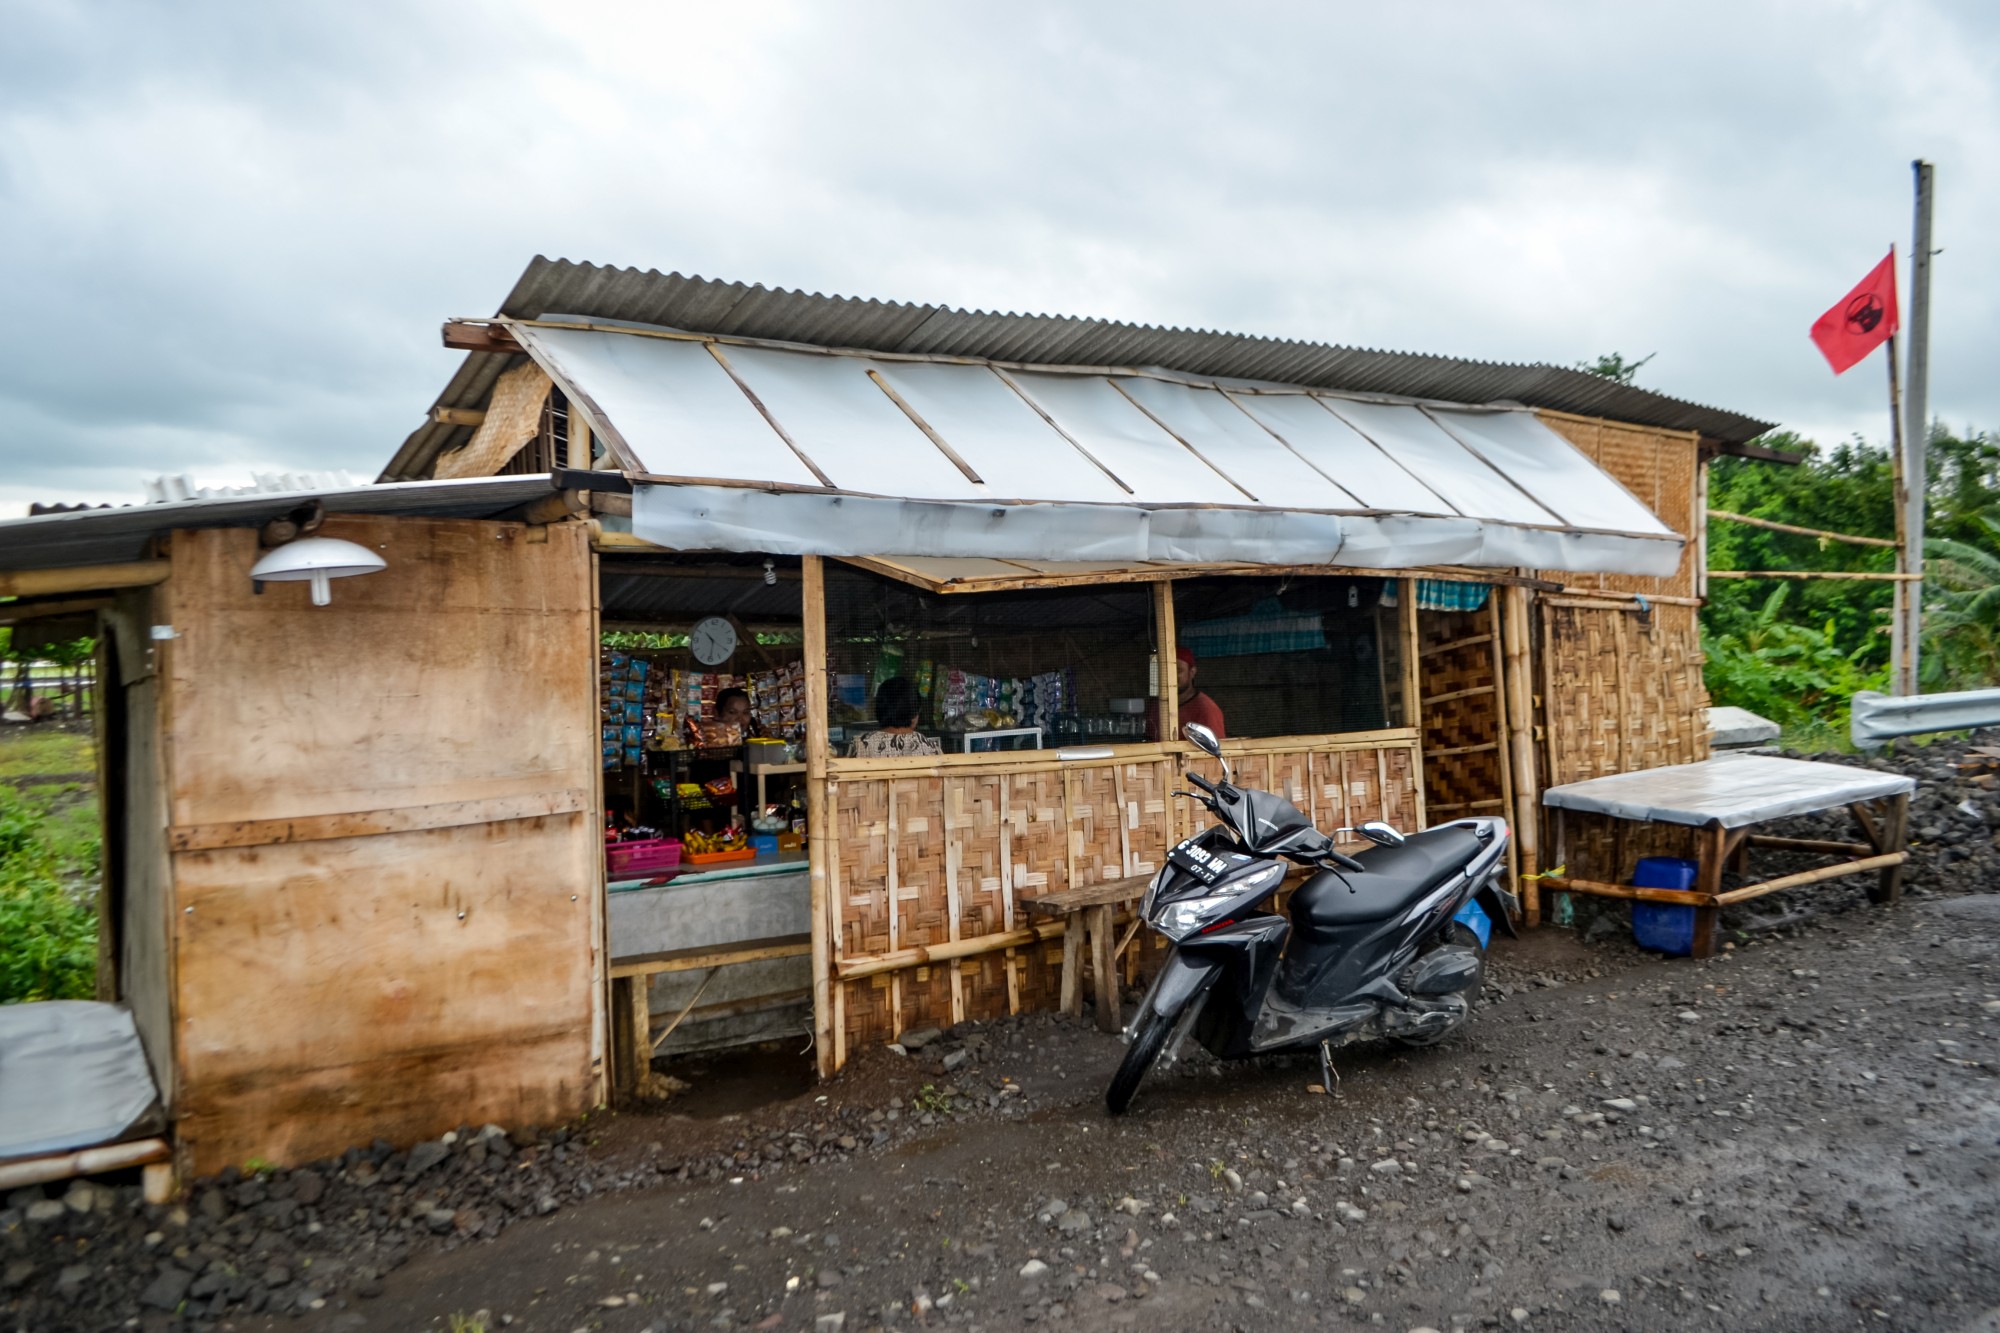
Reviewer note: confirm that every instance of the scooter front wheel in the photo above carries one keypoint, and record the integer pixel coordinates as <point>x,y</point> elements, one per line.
<point>1149,1037</point>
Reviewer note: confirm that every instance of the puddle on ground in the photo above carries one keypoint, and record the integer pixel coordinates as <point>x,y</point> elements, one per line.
<point>733,1082</point>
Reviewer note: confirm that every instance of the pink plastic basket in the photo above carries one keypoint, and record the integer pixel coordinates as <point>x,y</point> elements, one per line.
<point>625,859</point>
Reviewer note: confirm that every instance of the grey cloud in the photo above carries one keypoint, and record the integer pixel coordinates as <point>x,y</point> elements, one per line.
<point>233,229</point>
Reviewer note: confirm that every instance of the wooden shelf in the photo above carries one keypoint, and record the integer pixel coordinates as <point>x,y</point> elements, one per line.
<point>713,955</point>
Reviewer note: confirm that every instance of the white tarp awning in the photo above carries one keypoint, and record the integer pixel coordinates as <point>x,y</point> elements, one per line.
<point>797,451</point>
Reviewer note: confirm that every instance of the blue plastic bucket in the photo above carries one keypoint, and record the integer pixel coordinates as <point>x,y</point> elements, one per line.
<point>1474,917</point>
<point>1663,926</point>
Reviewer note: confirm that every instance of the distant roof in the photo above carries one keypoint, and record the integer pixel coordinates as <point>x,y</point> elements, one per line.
<point>107,535</point>
<point>705,305</point>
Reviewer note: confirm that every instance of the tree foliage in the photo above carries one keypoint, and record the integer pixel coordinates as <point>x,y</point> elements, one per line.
<point>1795,652</point>
<point>48,935</point>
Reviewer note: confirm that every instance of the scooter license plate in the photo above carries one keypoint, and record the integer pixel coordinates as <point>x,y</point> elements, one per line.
<point>1197,860</point>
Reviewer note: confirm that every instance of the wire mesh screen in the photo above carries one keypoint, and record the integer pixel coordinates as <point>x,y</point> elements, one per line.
<point>1054,666</point>
<point>1301,656</point>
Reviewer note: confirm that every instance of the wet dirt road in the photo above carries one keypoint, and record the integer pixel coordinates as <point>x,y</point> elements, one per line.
<point>1804,1134</point>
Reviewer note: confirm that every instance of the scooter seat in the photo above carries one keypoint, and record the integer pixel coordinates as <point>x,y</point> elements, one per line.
<point>1397,877</point>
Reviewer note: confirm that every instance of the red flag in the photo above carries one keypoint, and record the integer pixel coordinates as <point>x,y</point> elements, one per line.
<point>1861,320</point>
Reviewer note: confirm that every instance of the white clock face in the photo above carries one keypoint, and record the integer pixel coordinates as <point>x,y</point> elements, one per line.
<point>713,640</point>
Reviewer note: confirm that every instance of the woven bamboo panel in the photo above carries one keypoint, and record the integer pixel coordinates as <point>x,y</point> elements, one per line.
<point>1622,691</point>
<point>1608,850</point>
<point>1660,467</point>
<point>861,813</point>
<point>1460,777</point>
<point>920,855</point>
<point>1337,788</point>
<point>1097,832</point>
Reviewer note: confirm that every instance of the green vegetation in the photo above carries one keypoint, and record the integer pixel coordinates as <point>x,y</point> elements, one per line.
<point>48,926</point>
<point>1795,652</point>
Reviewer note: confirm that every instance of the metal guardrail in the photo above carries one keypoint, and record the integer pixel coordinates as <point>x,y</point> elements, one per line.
<point>1876,718</point>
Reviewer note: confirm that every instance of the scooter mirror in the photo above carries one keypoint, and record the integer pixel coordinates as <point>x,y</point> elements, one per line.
<point>1376,831</point>
<point>1203,737</point>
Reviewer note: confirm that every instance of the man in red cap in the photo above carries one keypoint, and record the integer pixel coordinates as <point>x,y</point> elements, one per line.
<point>1196,706</point>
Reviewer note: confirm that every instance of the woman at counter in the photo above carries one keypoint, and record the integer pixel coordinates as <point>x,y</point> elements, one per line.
<point>896,734</point>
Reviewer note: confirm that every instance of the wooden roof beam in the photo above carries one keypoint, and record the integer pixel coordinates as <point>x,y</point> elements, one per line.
<point>465,336</point>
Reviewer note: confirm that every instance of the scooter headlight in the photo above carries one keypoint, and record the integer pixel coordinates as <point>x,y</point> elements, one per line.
<point>1179,920</point>
<point>1184,917</point>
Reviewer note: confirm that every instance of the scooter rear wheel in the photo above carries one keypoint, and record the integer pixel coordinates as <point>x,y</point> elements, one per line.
<point>1149,1037</point>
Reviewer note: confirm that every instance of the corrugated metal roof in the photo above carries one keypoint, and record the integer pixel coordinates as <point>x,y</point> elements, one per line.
<point>109,536</point>
<point>702,305</point>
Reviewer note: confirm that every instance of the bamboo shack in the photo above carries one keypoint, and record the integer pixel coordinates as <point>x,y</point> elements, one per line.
<point>858,629</point>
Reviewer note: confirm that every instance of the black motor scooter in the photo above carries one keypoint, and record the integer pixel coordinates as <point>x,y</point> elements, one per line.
<point>1386,944</point>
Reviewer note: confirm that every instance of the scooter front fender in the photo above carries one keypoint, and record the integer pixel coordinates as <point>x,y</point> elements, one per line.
<point>1183,980</point>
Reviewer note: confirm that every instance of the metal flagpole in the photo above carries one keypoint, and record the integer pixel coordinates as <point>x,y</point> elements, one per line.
<point>1901,651</point>
<point>1916,423</point>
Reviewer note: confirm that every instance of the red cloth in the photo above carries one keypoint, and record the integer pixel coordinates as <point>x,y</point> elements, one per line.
<point>1204,710</point>
<point>1862,320</point>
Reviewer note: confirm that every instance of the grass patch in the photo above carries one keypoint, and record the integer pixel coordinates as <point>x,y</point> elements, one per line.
<point>27,752</point>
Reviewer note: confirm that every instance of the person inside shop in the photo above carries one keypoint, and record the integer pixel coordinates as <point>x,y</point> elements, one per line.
<point>895,731</point>
<point>733,707</point>
<point>1195,705</point>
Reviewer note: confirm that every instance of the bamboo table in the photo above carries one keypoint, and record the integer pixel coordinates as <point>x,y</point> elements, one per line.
<point>1726,797</point>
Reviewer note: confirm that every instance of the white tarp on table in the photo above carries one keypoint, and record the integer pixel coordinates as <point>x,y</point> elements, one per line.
<point>72,1075</point>
<point>1729,790</point>
<point>803,452</point>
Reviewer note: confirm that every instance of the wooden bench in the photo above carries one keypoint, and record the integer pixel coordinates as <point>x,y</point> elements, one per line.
<point>1092,912</point>
<point>633,1042</point>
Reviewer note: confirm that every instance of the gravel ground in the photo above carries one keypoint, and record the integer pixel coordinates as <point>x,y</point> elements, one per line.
<point>1803,1133</point>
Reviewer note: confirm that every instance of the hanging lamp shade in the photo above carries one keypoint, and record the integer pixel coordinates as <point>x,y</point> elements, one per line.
<point>316,560</point>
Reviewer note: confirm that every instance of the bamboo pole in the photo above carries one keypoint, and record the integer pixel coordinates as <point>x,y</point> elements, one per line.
<point>1411,642</point>
<point>1725,515</point>
<point>1629,600</point>
<point>1700,529</point>
<point>821,833</point>
<point>1166,634</point>
<point>924,955</point>
<point>82,578</point>
<point>1599,889</point>
<point>87,1162</point>
<point>1515,629</point>
<point>1804,877</point>
<point>1501,731</point>
<point>1812,845</point>
<point>1853,576</point>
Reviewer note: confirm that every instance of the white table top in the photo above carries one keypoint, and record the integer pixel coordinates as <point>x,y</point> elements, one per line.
<point>1729,790</point>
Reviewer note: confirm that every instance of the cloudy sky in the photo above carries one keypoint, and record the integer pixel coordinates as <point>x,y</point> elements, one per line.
<point>230,231</point>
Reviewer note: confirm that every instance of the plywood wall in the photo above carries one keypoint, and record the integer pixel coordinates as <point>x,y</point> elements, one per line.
<point>925,856</point>
<point>384,839</point>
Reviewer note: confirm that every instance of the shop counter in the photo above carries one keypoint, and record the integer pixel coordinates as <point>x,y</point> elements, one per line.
<point>722,954</point>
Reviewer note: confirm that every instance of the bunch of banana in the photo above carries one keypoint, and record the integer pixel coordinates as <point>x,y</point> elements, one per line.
<point>703,844</point>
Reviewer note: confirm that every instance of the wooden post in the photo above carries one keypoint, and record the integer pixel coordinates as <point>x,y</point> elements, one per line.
<point>1895,836</point>
<point>1166,635</point>
<point>1714,850</point>
<point>1520,690</point>
<point>604,1059</point>
<point>821,831</point>
<point>1103,966</point>
<point>1072,965</point>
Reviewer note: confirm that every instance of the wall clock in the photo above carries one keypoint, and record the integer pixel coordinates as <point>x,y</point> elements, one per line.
<point>713,640</point>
